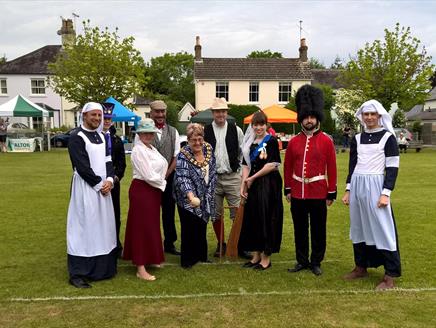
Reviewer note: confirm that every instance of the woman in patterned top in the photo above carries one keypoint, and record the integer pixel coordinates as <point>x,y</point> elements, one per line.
<point>194,185</point>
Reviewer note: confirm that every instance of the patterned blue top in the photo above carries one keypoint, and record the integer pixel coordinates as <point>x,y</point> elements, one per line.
<point>189,177</point>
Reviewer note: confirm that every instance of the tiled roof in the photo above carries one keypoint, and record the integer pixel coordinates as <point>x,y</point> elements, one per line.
<point>327,76</point>
<point>252,69</point>
<point>32,63</point>
<point>432,95</point>
<point>138,100</point>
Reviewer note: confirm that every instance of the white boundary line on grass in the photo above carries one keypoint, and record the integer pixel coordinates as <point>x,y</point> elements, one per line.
<point>241,292</point>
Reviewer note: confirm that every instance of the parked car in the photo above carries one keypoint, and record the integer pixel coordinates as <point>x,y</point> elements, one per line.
<point>19,128</point>
<point>61,140</point>
<point>406,133</point>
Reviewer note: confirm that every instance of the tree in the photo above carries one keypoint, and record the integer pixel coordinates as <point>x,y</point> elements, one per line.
<point>328,125</point>
<point>316,63</point>
<point>97,65</point>
<point>346,104</point>
<point>172,75</point>
<point>338,63</point>
<point>433,80</point>
<point>392,70</point>
<point>3,59</point>
<point>264,54</point>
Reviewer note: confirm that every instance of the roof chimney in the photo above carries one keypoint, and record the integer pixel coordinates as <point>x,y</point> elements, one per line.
<point>67,32</point>
<point>197,49</point>
<point>303,50</point>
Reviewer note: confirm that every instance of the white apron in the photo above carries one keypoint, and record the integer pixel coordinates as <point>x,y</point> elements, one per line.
<point>368,223</point>
<point>91,221</point>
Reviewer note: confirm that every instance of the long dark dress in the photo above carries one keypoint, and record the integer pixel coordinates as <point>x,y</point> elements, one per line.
<point>263,216</point>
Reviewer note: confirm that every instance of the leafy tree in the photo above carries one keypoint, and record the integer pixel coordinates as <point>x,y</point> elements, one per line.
<point>392,70</point>
<point>3,59</point>
<point>241,111</point>
<point>338,63</point>
<point>328,125</point>
<point>316,63</point>
<point>97,65</point>
<point>172,75</point>
<point>399,119</point>
<point>264,54</point>
<point>346,104</point>
<point>433,80</point>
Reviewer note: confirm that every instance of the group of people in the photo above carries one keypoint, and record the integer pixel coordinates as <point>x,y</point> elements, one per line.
<point>220,162</point>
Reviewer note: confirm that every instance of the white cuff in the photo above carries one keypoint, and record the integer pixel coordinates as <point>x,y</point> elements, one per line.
<point>386,192</point>
<point>98,186</point>
<point>348,186</point>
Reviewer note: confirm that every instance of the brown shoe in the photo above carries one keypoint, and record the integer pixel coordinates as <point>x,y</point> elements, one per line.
<point>386,283</point>
<point>357,273</point>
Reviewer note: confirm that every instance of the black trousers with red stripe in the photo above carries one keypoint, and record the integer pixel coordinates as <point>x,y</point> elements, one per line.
<point>313,213</point>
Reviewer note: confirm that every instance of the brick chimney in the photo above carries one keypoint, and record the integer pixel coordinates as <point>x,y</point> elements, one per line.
<point>197,49</point>
<point>67,32</point>
<point>303,50</point>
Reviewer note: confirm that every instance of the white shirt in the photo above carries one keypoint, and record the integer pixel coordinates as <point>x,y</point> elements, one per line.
<point>221,154</point>
<point>159,136</point>
<point>149,165</point>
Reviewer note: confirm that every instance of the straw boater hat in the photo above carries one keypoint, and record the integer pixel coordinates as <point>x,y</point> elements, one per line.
<point>219,103</point>
<point>146,126</point>
<point>310,102</point>
<point>158,104</point>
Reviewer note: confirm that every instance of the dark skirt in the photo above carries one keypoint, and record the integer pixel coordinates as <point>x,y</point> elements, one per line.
<point>193,238</point>
<point>93,268</point>
<point>263,216</point>
<point>143,241</point>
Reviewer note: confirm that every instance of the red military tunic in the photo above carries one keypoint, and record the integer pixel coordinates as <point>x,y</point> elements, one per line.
<point>310,167</point>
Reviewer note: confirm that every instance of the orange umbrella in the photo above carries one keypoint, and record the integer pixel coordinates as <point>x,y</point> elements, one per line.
<point>276,114</point>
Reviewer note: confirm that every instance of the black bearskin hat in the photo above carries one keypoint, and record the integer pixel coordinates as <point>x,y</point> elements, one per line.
<point>310,102</point>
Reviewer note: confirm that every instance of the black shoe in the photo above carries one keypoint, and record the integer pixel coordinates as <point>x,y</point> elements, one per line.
<point>79,283</point>
<point>250,264</point>
<point>261,267</point>
<point>298,267</point>
<point>217,251</point>
<point>245,255</point>
<point>172,250</point>
<point>316,270</point>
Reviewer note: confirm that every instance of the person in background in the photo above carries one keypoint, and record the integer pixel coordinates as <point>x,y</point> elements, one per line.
<point>261,232</point>
<point>402,143</point>
<point>143,241</point>
<point>167,142</point>
<point>91,233</point>
<point>3,133</point>
<point>310,180</point>
<point>116,149</point>
<point>226,140</point>
<point>373,170</point>
<point>194,185</point>
<point>346,133</point>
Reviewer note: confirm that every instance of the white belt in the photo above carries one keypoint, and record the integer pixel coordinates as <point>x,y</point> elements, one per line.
<point>309,180</point>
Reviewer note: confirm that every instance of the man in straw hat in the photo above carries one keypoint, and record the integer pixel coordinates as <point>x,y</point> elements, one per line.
<point>167,142</point>
<point>310,179</point>
<point>91,233</point>
<point>226,140</point>
<point>373,170</point>
<point>116,149</point>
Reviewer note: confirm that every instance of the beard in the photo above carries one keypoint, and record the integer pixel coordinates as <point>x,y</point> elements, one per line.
<point>309,126</point>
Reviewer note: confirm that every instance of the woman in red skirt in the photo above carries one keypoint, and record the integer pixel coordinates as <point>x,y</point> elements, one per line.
<point>143,242</point>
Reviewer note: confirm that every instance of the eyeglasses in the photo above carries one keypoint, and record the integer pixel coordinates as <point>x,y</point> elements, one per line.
<point>196,140</point>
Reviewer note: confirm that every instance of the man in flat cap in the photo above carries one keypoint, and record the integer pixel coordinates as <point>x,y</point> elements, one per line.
<point>226,140</point>
<point>168,144</point>
<point>310,179</point>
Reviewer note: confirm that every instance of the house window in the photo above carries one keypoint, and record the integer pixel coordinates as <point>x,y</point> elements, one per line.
<point>37,86</point>
<point>3,87</point>
<point>222,90</point>
<point>254,92</point>
<point>285,91</point>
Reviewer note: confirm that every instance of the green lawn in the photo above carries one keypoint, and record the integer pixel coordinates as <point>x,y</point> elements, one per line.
<point>35,293</point>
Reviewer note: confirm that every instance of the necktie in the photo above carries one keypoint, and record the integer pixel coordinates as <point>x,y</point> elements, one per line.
<point>107,136</point>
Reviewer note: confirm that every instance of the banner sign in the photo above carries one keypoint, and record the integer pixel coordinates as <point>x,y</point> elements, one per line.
<point>22,145</point>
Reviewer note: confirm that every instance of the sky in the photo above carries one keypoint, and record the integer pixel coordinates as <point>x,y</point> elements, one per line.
<point>226,28</point>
